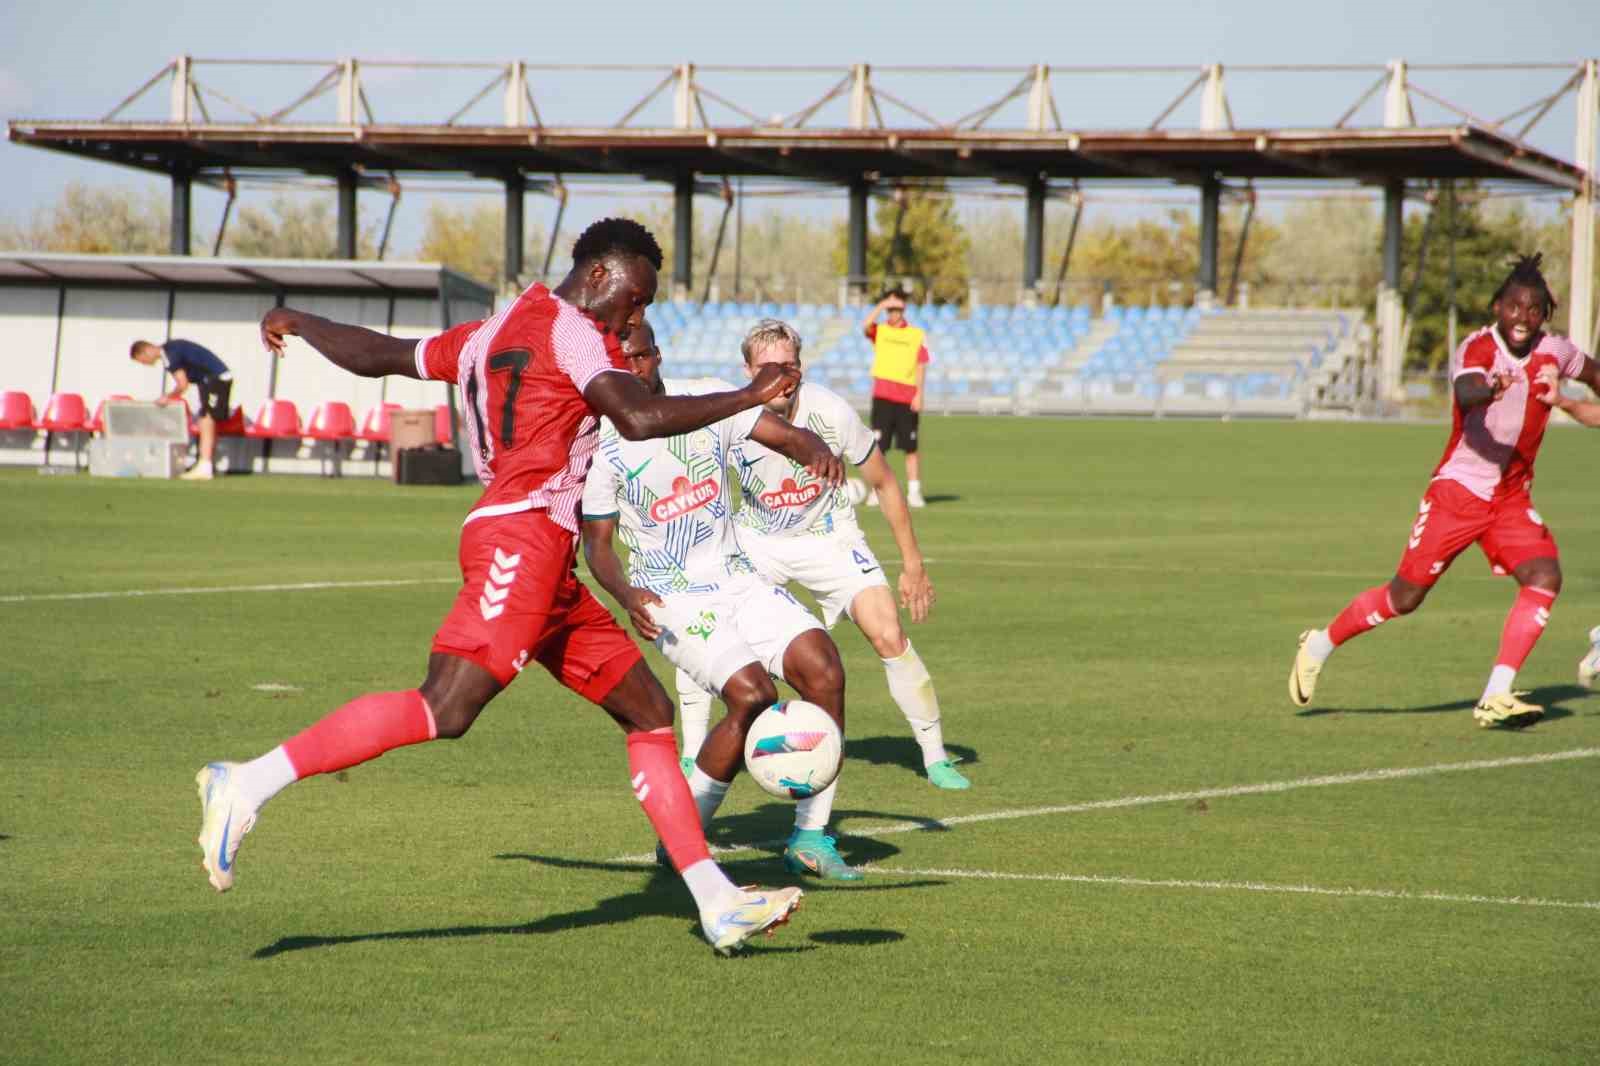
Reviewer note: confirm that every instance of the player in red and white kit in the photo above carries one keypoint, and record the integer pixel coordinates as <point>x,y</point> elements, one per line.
<point>535,380</point>
<point>1505,379</point>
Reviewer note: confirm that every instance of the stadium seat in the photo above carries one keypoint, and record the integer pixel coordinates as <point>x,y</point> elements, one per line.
<point>65,413</point>
<point>375,427</point>
<point>276,420</point>
<point>16,411</point>
<point>331,421</point>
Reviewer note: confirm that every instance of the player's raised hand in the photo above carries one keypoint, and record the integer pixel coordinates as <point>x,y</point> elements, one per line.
<point>1499,383</point>
<point>276,324</point>
<point>916,593</point>
<point>1547,384</point>
<point>644,620</point>
<point>774,380</point>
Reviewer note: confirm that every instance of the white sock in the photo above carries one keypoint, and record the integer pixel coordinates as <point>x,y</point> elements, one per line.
<point>914,487</point>
<point>260,779</point>
<point>912,690</point>
<point>708,794</point>
<point>814,811</point>
<point>694,711</point>
<point>1500,679</point>
<point>1318,646</point>
<point>707,884</point>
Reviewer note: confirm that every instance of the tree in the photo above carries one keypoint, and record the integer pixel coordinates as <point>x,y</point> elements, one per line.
<point>1324,254</point>
<point>97,220</point>
<point>293,228</point>
<point>916,238</point>
<point>472,240</point>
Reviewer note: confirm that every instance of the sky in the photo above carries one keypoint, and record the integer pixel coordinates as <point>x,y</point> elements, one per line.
<point>78,60</point>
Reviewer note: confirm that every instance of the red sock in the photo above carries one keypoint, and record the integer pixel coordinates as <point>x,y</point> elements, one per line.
<point>1367,611</point>
<point>362,729</point>
<point>664,794</point>
<point>1524,626</point>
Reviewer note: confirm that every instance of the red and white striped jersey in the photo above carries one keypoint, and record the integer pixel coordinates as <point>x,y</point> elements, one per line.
<point>522,374</point>
<point>1492,446</point>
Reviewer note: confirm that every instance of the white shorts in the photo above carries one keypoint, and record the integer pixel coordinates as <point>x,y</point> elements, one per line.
<point>713,635</point>
<point>833,568</point>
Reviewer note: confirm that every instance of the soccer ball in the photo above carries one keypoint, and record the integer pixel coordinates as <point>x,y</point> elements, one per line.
<point>793,749</point>
<point>856,489</point>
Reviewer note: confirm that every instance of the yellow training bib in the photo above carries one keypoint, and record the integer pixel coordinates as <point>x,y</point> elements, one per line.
<point>895,353</point>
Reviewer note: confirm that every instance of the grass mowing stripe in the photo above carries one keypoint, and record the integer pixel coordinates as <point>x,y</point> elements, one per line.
<point>1266,788</point>
<point>299,586</point>
<point>1244,886</point>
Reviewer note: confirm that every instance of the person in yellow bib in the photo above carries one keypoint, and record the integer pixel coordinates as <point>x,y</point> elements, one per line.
<point>899,364</point>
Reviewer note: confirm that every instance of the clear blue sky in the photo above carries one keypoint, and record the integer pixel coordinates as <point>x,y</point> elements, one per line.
<point>77,60</point>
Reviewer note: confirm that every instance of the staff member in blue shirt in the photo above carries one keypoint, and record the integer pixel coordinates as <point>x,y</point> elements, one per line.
<point>192,364</point>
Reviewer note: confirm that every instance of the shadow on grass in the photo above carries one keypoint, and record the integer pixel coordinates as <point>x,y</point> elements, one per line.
<point>661,895</point>
<point>902,751</point>
<point>1548,697</point>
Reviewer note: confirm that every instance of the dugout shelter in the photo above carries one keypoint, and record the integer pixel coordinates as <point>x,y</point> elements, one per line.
<point>67,321</point>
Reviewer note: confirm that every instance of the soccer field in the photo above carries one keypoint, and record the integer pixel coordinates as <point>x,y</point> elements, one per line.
<point>1161,860</point>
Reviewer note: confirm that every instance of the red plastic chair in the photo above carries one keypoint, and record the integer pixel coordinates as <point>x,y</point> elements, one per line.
<point>65,413</point>
<point>97,424</point>
<point>331,421</point>
<point>375,427</point>
<point>441,424</point>
<point>16,411</point>
<point>276,420</point>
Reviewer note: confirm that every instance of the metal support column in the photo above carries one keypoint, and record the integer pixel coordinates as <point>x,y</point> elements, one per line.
<point>1580,315</point>
<point>516,186</point>
<point>682,236</point>
<point>1033,242</point>
<point>182,200</point>
<point>1391,323</point>
<point>1210,202</point>
<point>347,215</point>
<point>856,243</point>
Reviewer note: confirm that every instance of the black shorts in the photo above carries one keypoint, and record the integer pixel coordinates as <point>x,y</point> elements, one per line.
<point>895,425</point>
<point>214,393</point>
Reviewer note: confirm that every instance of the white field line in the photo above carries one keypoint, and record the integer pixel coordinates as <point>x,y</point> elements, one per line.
<point>1267,788</point>
<point>299,586</point>
<point>1245,886</point>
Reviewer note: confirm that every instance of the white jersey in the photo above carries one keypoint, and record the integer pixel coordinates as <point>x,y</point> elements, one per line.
<point>669,497</point>
<point>780,498</point>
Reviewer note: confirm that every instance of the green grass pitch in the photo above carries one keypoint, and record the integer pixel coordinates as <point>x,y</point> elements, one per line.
<point>1118,607</point>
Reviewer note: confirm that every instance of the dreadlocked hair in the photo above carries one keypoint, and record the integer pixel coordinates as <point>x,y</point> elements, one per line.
<point>616,236</point>
<point>1526,272</point>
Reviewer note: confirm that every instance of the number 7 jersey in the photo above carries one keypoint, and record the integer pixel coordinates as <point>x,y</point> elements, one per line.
<point>522,374</point>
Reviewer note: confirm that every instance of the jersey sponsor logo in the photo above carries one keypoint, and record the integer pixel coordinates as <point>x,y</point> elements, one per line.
<point>686,496</point>
<point>789,494</point>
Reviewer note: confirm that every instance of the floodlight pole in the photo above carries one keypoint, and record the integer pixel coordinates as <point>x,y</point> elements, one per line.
<point>683,236</point>
<point>182,201</point>
<point>1210,203</point>
<point>516,187</point>
<point>1033,241</point>
<point>856,232</point>
<point>347,214</point>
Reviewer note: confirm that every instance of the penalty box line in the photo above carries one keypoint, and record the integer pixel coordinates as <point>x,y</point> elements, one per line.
<point>1266,788</point>
<point>1244,886</point>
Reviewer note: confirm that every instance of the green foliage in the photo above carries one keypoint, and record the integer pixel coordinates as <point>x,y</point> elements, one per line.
<point>916,240</point>
<point>294,227</point>
<point>95,219</point>
<point>471,239</point>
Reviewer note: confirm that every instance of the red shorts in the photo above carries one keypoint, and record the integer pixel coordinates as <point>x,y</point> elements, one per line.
<point>520,599</point>
<point>1450,519</point>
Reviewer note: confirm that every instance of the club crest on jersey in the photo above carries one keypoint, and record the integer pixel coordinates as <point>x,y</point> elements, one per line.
<point>686,496</point>
<point>789,494</point>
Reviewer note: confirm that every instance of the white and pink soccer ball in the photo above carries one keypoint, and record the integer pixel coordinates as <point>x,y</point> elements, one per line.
<point>793,749</point>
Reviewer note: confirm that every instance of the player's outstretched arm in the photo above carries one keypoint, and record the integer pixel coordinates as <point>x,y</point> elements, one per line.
<point>640,414</point>
<point>801,445</point>
<point>357,349</point>
<point>1475,390</point>
<point>600,553</point>
<point>1585,413</point>
<point>916,589</point>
